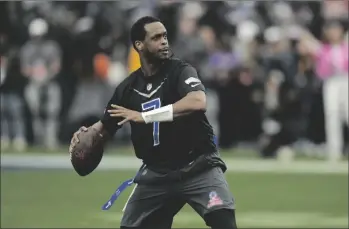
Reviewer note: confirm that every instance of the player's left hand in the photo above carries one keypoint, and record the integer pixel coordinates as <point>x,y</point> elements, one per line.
<point>129,115</point>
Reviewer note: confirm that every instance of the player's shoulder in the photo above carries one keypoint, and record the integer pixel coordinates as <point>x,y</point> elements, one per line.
<point>177,66</point>
<point>130,78</point>
<point>127,83</point>
<point>178,63</point>
<point>135,74</point>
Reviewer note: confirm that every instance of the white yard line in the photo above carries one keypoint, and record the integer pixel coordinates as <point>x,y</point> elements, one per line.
<point>250,219</point>
<point>129,163</point>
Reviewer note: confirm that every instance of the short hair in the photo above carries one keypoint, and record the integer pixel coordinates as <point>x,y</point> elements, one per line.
<point>138,31</point>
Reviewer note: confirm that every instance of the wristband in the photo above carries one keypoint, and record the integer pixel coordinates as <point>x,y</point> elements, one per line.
<point>162,114</point>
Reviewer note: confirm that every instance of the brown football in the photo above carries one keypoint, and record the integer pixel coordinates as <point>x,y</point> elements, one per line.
<point>88,153</point>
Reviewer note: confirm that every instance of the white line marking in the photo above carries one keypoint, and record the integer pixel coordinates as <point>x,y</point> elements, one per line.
<point>129,163</point>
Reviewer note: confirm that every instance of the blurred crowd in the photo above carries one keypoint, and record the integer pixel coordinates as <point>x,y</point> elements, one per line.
<point>276,72</point>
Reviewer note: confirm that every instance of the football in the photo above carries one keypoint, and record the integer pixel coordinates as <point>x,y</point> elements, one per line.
<point>88,153</point>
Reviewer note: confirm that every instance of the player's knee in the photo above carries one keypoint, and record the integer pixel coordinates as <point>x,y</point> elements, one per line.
<point>221,219</point>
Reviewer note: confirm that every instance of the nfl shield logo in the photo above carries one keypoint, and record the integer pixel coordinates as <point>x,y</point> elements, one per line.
<point>214,200</point>
<point>149,86</point>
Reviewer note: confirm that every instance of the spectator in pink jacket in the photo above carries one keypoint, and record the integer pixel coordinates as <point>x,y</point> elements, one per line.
<point>331,65</point>
<point>332,57</point>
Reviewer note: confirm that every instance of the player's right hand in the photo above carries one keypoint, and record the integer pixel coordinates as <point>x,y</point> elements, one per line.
<point>75,139</point>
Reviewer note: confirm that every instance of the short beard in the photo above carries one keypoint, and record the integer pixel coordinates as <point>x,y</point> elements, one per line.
<point>152,58</point>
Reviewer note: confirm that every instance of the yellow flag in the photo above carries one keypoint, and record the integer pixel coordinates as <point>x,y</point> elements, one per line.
<point>133,60</point>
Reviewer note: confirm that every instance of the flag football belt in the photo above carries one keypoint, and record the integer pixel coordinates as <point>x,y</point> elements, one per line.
<point>118,192</point>
<point>123,186</point>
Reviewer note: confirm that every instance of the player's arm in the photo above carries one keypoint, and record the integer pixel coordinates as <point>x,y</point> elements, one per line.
<point>192,102</point>
<point>193,99</point>
<point>192,92</point>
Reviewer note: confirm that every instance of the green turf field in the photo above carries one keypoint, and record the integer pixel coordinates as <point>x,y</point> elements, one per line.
<point>50,198</point>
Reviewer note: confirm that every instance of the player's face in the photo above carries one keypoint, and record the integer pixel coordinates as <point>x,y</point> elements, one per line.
<point>155,43</point>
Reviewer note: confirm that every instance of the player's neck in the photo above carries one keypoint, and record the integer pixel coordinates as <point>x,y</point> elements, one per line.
<point>149,68</point>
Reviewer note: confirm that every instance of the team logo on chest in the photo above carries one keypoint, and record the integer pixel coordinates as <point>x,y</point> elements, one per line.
<point>149,86</point>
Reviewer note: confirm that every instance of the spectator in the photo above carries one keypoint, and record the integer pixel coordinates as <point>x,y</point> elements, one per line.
<point>223,40</point>
<point>188,45</point>
<point>312,102</point>
<point>41,62</point>
<point>278,53</point>
<point>280,114</point>
<point>222,64</point>
<point>208,77</point>
<point>12,104</point>
<point>281,99</point>
<point>331,61</point>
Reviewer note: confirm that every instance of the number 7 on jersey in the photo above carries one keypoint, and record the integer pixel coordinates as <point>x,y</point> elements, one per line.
<point>150,105</point>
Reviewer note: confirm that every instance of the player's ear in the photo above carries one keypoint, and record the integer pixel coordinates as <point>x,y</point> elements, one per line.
<point>139,45</point>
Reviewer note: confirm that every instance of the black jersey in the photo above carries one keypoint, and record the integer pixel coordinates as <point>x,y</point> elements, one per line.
<point>167,144</point>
